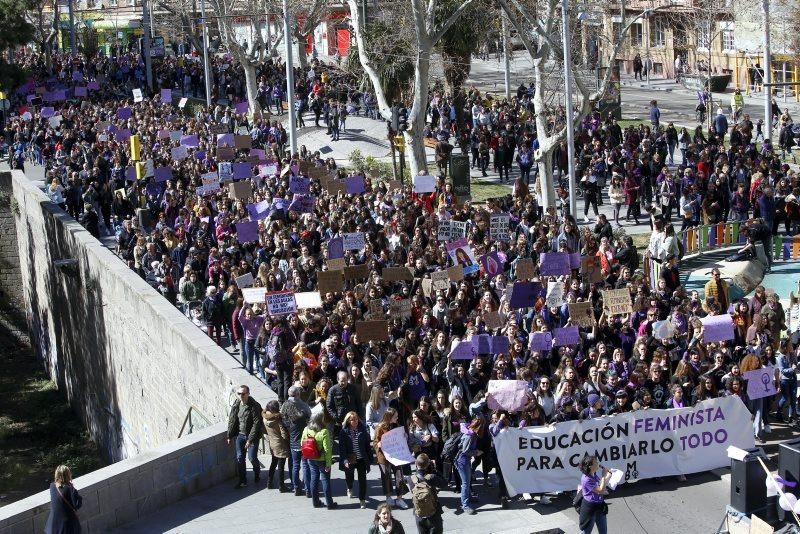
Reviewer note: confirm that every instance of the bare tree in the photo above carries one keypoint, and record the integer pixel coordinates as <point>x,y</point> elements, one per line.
<point>182,13</point>
<point>41,14</point>
<point>307,15</point>
<point>538,26</point>
<point>428,32</point>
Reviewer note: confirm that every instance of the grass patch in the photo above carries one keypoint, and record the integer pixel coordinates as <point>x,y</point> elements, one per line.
<point>640,241</point>
<point>482,191</point>
<point>38,431</point>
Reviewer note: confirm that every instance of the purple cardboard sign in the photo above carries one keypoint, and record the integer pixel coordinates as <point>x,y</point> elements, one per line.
<point>162,174</point>
<point>354,185</point>
<point>93,86</point>
<point>302,204</point>
<point>153,189</point>
<point>247,231</point>
<point>190,141</point>
<point>280,204</point>
<point>717,328</point>
<point>225,139</point>
<point>77,76</point>
<point>299,185</point>
<point>81,91</point>
<point>760,382</point>
<point>500,344</point>
<point>47,112</point>
<point>554,264</point>
<point>200,155</point>
<point>259,153</point>
<point>122,135</point>
<point>523,295</point>
<point>464,350</point>
<point>575,260</point>
<point>242,107</point>
<point>567,336</point>
<point>163,134</point>
<point>541,341</point>
<point>130,174</point>
<point>259,211</point>
<point>60,95</point>
<point>483,343</point>
<point>166,95</point>
<point>242,170</point>
<point>492,264</point>
<point>124,113</point>
<point>336,248</point>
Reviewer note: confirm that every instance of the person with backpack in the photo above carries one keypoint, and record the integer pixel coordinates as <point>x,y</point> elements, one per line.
<point>295,414</point>
<point>246,427</point>
<point>316,446</point>
<point>425,496</point>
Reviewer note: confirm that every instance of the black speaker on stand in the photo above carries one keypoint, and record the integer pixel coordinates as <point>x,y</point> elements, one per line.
<point>748,483</point>
<point>789,470</point>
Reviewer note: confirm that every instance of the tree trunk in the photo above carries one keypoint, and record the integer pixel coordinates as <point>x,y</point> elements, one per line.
<point>544,182</point>
<point>416,118</point>
<point>302,56</point>
<point>251,84</point>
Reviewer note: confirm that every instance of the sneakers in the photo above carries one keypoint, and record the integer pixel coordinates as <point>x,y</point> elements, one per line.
<point>544,499</point>
<point>349,494</point>
<point>400,503</point>
<point>333,506</point>
<point>363,504</point>
<point>469,511</point>
<point>585,219</point>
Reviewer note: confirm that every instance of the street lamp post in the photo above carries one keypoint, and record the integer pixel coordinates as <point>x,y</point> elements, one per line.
<point>287,37</point>
<point>568,105</point>
<point>206,73</point>
<point>767,75</point>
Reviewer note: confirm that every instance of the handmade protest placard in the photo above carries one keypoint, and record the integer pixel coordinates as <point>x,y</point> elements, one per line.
<point>335,264</point>
<point>308,300</point>
<point>540,341</point>
<point>354,185</point>
<point>462,255</point>
<point>353,240</point>
<point>247,231</point>
<point>166,95</point>
<point>760,382</point>
<point>492,264</point>
<point>582,314</point>
<point>590,269</point>
<point>377,330</point>
<point>499,344</point>
<point>244,281</point>
<point>242,142</point>
<point>455,273</point>
<point>400,308</point>
<point>137,95</point>
<point>427,287</point>
<point>254,295</point>
<point>241,107</point>
<point>336,248</point>
<point>225,153</point>
<point>356,272</point>
<point>375,309</point>
<point>242,170</point>
<point>555,294</point>
<point>302,204</point>
<point>394,446</point>
<point>162,174</point>
<point>500,227</point>
<point>190,141</point>
<point>330,281</point>
<point>463,350</point>
<point>575,260</point>
<point>424,184</point>
<point>492,320</point>
<point>450,230</point>
<point>259,211</point>
<point>299,185</point>
<point>660,442</point>
<point>524,269</point>
<point>240,190</point>
<point>397,274</point>
<point>569,335</point>
<point>281,303</point>
<point>617,301</point>
<point>179,153</point>
<point>523,295</point>
<point>182,102</point>
<point>717,328</point>
<point>511,395</point>
<point>440,280</point>
<point>554,264</point>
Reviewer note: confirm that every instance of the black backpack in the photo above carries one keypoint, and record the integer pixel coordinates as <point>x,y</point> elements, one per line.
<point>451,447</point>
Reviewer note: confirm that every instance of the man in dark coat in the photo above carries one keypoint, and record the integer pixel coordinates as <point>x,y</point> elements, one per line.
<point>295,415</point>
<point>343,398</point>
<point>245,427</point>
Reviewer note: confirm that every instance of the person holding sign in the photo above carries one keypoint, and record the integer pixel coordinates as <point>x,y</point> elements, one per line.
<point>389,421</point>
<point>593,508</point>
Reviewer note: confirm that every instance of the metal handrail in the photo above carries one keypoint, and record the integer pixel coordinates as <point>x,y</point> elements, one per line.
<point>188,420</point>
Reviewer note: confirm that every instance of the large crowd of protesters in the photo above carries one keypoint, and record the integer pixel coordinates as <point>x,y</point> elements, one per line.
<point>180,234</point>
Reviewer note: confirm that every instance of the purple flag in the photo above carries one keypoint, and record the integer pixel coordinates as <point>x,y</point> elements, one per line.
<point>354,185</point>
<point>259,211</point>
<point>124,113</point>
<point>299,184</point>
<point>464,350</point>
<point>242,107</point>
<point>541,341</point>
<point>163,174</point>
<point>81,91</point>
<point>47,112</point>
<point>166,95</point>
<point>554,264</point>
<point>190,141</point>
<point>523,295</point>
<point>567,336</point>
<point>247,231</point>
<point>336,248</point>
<point>242,171</point>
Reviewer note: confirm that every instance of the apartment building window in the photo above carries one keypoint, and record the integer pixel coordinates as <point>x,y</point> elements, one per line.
<point>658,32</point>
<point>637,34</point>
<point>703,35</point>
<point>726,32</point>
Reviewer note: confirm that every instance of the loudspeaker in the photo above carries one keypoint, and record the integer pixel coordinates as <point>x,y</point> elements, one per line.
<point>789,470</point>
<point>748,483</point>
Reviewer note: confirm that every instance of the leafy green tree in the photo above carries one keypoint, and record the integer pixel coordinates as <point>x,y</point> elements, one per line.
<point>14,31</point>
<point>463,39</point>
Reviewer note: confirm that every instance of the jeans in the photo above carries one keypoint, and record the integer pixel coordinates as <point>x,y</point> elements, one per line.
<point>295,463</point>
<point>249,355</point>
<point>465,472</point>
<point>241,455</point>
<point>280,465</point>
<point>525,173</point>
<point>788,394</point>
<point>601,520</point>
<point>318,472</point>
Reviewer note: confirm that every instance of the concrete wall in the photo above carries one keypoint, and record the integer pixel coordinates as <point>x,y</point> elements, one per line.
<point>133,488</point>
<point>13,324</point>
<point>128,361</point>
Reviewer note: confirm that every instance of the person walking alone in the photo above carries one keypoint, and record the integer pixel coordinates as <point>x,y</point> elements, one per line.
<point>65,501</point>
<point>245,427</point>
<point>593,510</point>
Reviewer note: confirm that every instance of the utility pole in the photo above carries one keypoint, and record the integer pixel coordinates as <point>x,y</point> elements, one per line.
<point>73,46</point>
<point>148,61</point>
<point>506,57</point>
<point>568,104</point>
<point>206,73</point>
<point>647,63</point>
<point>767,75</point>
<point>287,37</point>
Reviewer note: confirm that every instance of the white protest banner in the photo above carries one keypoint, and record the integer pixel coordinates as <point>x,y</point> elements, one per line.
<point>617,301</point>
<point>394,446</point>
<point>254,295</point>
<point>182,102</point>
<point>643,444</point>
<point>500,227</point>
<point>555,294</point>
<point>281,303</point>
<point>308,300</point>
<point>511,395</point>
<point>760,382</point>
<point>451,230</point>
<point>353,241</point>
<point>246,280</point>
<point>424,184</point>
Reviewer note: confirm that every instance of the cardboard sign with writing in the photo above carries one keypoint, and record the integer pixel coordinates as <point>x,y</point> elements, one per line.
<point>334,187</point>
<point>254,295</point>
<point>308,300</point>
<point>353,240</point>
<point>427,287</point>
<point>335,264</point>
<point>582,314</point>
<point>555,294</point>
<point>246,280</point>
<point>440,280</point>
<point>617,301</point>
<point>240,190</point>
<point>375,309</point>
<point>455,273</point>
<point>317,173</point>
<point>356,272</point>
<point>242,142</point>
<point>330,281</point>
<point>397,274</point>
<point>372,330</point>
<point>400,308</point>
<point>524,269</point>
<point>281,303</point>
<point>499,227</point>
<point>225,153</point>
<point>492,320</point>
<point>590,269</point>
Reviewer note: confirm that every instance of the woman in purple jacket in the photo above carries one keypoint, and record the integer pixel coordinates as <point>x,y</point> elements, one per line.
<point>251,325</point>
